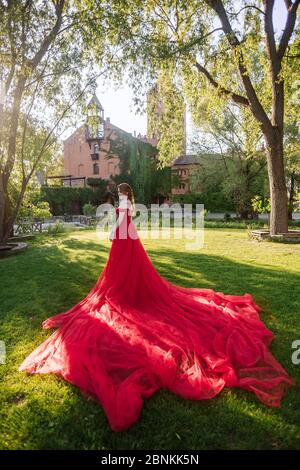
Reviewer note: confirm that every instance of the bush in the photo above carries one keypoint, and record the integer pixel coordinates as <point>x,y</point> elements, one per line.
<point>41,210</point>
<point>38,210</point>
<point>213,201</point>
<point>89,209</point>
<point>233,223</point>
<point>57,228</point>
<point>68,200</point>
<point>261,205</point>
<point>188,198</point>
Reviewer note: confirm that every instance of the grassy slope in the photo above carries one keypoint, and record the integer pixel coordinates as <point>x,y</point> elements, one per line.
<point>45,412</point>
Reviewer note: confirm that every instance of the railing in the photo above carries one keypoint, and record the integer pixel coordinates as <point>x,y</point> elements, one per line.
<point>87,220</point>
<point>27,226</point>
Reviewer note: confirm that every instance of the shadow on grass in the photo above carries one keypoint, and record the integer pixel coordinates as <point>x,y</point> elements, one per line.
<point>230,277</point>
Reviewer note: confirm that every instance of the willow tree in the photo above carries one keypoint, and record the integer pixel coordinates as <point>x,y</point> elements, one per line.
<point>229,50</point>
<point>166,115</point>
<point>232,154</point>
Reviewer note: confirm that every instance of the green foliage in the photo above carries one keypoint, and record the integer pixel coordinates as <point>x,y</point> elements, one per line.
<point>261,205</point>
<point>160,180</point>
<point>47,73</point>
<point>233,223</point>
<point>234,164</point>
<point>57,228</point>
<point>166,115</point>
<point>211,53</point>
<point>67,200</point>
<point>34,208</point>
<point>212,200</point>
<point>244,178</point>
<point>188,198</point>
<point>41,210</point>
<point>89,209</point>
<point>97,183</point>
<point>297,201</point>
<point>137,165</point>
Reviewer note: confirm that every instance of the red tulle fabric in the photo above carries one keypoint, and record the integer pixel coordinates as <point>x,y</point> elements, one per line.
<point>136,332</point>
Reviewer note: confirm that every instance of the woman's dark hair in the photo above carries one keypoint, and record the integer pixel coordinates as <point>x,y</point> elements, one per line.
<point>109,198</point>
<point>125,188</point>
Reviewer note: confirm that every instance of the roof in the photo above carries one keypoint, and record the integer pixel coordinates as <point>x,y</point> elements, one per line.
<point>95,101</point>
<point>194,159</point>
<point>79,130</point>
<point>112,127</point>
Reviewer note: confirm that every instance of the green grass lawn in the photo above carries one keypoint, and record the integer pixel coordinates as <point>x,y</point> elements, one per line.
<point>45,412</point>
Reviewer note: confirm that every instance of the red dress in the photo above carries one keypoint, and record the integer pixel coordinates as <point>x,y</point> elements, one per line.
<point>136,332</point>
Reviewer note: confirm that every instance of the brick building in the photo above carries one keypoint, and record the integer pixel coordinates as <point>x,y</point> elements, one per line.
<point>87,152</point>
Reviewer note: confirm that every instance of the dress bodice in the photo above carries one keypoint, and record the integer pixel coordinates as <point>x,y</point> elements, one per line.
<point>125,229</point>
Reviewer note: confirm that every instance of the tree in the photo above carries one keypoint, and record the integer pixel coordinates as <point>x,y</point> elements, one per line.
<point>292,163</point>
<point>166,115</point>
<point>232,154</point>
<point>44,71</point>
<point>234,50</point>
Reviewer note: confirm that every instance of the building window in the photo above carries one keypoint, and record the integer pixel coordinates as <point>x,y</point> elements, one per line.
<point>96,147</point>
<point>96,169</point>
<point>182,186</point>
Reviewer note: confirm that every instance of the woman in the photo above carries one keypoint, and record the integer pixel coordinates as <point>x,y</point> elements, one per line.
<point>136,332</point>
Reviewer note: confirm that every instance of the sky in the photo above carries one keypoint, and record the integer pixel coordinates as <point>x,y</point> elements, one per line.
<point>118,103</point>
<point>118,106</point>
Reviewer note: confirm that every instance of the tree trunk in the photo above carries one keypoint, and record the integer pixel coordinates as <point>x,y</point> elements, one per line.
<point>2,208</point>
<point>6,220</point>
<point>278,189</point>
<point>292,195</point>
<point>6,226</point>
<point>8,223</point>
<point>6,216</point>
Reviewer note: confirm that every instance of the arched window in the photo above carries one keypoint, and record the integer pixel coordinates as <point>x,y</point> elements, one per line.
<point>95,169</point>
